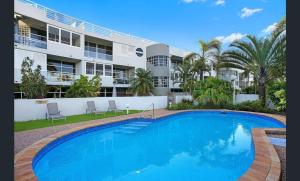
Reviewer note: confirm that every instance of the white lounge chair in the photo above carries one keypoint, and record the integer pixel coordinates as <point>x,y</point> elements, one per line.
<point>53,112</point>
<point>113,107</point>
<point>91,108</point>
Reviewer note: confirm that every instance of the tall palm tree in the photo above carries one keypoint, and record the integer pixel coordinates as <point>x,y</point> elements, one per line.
<point>142,84</point>
<point>258,56</point>
<point>186,74</point>
<point>208,53</point>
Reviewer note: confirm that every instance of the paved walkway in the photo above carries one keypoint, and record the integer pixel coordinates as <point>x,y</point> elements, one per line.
<point>26,138</point>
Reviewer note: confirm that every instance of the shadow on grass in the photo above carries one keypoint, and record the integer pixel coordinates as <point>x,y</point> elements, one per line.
<point>43,123</point>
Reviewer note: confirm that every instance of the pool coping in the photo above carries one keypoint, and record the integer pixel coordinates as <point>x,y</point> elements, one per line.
<point>266,165</point>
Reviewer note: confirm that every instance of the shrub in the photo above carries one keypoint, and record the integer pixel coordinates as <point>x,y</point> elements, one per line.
<point>274,87</point>
<point>249,90</point>
<point>253,106</point>
<point>182,106</point>
<point>33,84</point>
<point>281,95</point>
<point>83,87</point>
<point>213,91</point>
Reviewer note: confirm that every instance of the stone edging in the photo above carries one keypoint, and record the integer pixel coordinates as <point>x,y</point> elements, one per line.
<point>266,165</point>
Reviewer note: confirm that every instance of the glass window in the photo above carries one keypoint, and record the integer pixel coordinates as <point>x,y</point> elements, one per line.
<point>161,81</point>
<point>75,40</point>
<point>65,37</point>
<point>108,69</point>
<point>90,67</point>
<point>99,69</point>
<point>53,34</point>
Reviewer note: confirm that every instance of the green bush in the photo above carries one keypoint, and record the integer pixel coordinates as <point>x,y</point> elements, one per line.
<point>249,90</point>
<point>281,95</point>
<point>253,106</point>
<point>83,87</point>
<point>213,91</point>
<point>182,106</point>
<point>274,87</point>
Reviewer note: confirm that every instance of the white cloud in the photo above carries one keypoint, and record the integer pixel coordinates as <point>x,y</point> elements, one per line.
<point>230,38</point>
<point>270,28</point>
<point>220,2</point>
<point>246,12</point>
<point>192,1</point>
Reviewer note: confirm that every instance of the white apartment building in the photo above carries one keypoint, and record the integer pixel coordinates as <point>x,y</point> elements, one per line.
<point>67,47</point>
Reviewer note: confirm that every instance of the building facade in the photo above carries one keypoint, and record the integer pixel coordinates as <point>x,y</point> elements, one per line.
<point>66,47</point>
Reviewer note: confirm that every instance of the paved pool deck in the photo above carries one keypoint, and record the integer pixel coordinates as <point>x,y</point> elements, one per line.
<point>266,165</point>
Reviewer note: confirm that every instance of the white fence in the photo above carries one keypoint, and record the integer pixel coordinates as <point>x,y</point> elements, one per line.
<point>245,97</point>
<point>179,98</point>
<point>30,109</point>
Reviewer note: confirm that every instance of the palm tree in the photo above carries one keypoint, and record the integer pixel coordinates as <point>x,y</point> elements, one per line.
<point>186,74</point>
<point>208,53</point>
<point>142,84</point>
<point>258,56</point>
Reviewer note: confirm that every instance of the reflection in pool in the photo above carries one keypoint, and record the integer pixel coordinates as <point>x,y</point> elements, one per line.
<point>185,146</point>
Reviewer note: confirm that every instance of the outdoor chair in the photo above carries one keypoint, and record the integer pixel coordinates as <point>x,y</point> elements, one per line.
<point>91,108</point>
<point>53,112</point>
<point>113,107</point>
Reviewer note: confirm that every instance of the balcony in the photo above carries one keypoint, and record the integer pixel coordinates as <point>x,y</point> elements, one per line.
<point>98,53</point>
<point>53,76</point>
<point>34,40</point>
<point>76,23</point>
<point>122,76</point>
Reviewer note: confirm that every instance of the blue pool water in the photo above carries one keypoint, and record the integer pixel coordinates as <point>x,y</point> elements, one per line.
<point>200,145</point>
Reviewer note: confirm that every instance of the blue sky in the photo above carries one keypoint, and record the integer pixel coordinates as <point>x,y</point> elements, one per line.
<point>180,23</point>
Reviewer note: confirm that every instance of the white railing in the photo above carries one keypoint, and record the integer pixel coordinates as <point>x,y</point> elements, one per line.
<point>147,109</point>
<point>76,23</point>
<point>99,53</point>
<point>34,41</point>
<point>53,76</point>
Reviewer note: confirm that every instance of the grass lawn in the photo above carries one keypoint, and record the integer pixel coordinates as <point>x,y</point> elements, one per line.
<point>42,123</point>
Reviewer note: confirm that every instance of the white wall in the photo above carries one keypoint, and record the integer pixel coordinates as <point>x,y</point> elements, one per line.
<point>245,97</point>
<point>179,98</point>
<point>29,109</point>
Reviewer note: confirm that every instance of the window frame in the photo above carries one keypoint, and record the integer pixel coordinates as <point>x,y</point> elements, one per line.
<point>87,69</point>
<point>48,34</point>
<point>62,41</point>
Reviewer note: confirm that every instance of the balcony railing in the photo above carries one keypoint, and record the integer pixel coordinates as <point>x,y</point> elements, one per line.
<point>53,76</point>
<point>33,41</point>
<point>122,77</point>
<point>76,23</point>
<point>98,53</point>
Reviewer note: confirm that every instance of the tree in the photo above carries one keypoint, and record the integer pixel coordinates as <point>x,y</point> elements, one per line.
<point>260,57</point>
<point>208,53</point>
<point>142,83</point>
<point>33,84</point>
<point>213,91</point>
<point>187,79</point>
<point>83,87</point>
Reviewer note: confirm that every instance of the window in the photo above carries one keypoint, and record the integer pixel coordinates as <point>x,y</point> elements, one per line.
<point>90,68</point>
<point>161,81</point>
<point>75,40</point>
<point>99,69</point>
<point>158,60</point>
<point>108,69</point>
<point>65,37</point>
<point>53,34</point>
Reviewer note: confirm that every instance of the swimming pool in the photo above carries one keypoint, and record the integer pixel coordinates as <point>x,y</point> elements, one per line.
<point>198,145</point>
